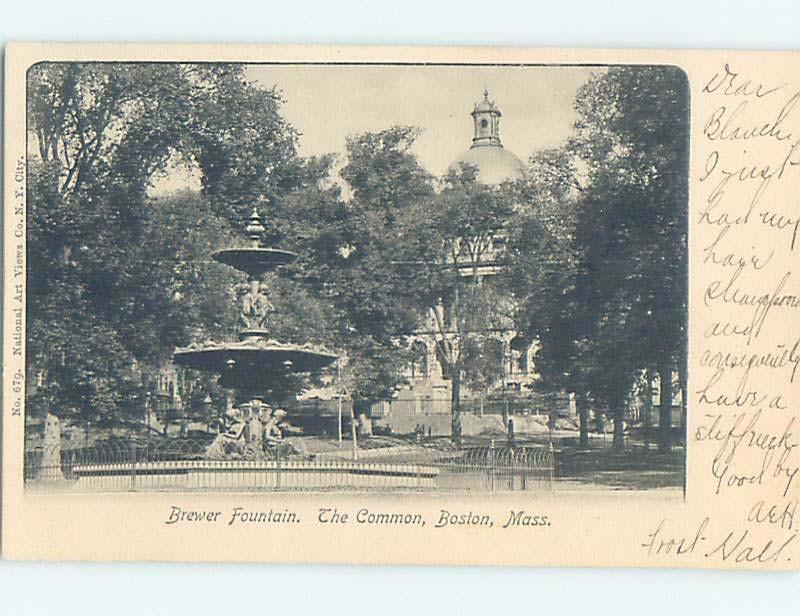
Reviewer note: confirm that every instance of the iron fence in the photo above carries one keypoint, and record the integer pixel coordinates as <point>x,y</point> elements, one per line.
<point>183,466</point>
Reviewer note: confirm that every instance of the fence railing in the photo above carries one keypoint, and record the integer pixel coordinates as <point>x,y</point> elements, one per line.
<point>182,466</point>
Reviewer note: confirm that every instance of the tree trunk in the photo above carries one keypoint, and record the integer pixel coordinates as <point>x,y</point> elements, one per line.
<point>619,418</point>
<point>648,408</point>
<point>684,402</point>
<point>455,405</point>
<point>583,419</point>
<point>353,432</point>
<point>665,408</point>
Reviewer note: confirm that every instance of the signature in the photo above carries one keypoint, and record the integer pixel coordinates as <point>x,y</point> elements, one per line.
<point>737,546</point>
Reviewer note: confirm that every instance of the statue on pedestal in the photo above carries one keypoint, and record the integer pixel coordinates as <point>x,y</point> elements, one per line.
<point>244,438</point>
<point>256,306</point>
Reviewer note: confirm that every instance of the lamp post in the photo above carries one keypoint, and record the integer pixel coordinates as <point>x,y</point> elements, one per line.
<point>339,397</point>
<point>148,401</point>
<point>89,390</point>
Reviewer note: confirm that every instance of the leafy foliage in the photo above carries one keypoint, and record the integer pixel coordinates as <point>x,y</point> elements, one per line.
<point>610,296</point>
<point>116,279</point>
<point>353,254</point>
<point>592,242</point>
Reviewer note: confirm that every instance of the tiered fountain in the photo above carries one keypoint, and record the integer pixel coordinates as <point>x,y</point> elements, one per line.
<point>257,367</point>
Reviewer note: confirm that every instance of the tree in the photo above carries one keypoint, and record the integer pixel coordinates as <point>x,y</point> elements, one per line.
<point>452,278</point>
<point>351,253</point>
<point>542,274</point>
<point>483,362</point>
<point>632,136</point>
<point>604,288</point>
<point>395,258</point>
<point>246,151</point>
<point>116,281</point>
<point>97,132</point>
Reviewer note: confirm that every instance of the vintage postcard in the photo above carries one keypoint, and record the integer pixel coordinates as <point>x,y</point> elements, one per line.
<point>402,305</point>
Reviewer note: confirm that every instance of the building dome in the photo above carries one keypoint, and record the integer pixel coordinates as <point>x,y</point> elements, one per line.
<point>495,164</point>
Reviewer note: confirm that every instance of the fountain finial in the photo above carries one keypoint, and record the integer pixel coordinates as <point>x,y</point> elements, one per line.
<point>254,228</point>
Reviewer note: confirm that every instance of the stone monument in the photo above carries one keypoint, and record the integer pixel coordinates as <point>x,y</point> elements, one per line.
<point>50,467</point>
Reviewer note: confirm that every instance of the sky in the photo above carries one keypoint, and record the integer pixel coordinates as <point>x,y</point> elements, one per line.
<point>328,103</point>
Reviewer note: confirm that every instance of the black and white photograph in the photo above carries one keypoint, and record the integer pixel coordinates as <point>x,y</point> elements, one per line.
<point>410,308</point>
<point>357,278</point>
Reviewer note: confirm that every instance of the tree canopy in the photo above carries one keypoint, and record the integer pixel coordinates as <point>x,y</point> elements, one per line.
<point>604,289</point>
<point>587,253</point>
<point>117,279</point>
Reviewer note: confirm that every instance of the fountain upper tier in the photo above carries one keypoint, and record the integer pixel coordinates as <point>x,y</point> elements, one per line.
<point>255,362</point>
<point>254,260</point>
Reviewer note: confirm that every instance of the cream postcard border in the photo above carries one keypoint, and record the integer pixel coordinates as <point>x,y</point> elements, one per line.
<point>604,530</point>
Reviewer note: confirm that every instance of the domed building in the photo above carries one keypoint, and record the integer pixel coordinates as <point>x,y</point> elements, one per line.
<point>494,163</point>
<point>428,389</point>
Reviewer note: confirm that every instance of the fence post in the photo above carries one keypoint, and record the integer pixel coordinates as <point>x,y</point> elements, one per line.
<point>513,470</point>
<point>353,431</point>
<point>132,458</point>
<point>491,465</point>
<point>552,465</point>
<point>277,467</point>
<point>524,475</point>
<point>417,469</point>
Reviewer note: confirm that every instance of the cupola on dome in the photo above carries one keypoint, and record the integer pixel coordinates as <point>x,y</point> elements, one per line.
<point>495,164</point>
